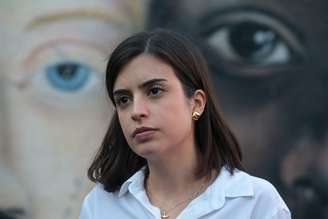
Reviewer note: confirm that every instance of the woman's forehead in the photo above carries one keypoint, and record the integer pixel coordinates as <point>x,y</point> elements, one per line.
<point>144,68</point>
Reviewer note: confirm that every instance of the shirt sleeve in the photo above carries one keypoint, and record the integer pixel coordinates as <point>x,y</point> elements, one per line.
<point>86,212</point>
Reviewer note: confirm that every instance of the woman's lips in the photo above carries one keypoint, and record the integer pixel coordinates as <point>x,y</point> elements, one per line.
<point>143,134</point>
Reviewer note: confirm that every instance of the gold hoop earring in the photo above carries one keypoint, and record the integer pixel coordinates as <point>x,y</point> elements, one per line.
<point>195,116</point>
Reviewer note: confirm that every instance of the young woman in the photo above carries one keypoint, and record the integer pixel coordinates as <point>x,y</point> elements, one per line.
<point>168,153</point>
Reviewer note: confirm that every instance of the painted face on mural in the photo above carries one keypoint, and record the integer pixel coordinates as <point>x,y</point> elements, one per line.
<point>268,63</point>
<point>54,109</point>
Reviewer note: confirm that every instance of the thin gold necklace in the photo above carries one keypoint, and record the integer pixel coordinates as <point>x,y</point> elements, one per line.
<point>164,214</point>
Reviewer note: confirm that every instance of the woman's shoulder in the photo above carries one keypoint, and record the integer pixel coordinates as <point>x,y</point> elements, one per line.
<point>257,195</point>
<point>97,198</point>
<point>266,196</point>
<point>98,192</point>
<point>262,188</point>
<point>242,182</point>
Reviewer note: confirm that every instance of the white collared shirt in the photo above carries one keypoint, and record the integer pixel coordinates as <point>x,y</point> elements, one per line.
<point>239,196</point>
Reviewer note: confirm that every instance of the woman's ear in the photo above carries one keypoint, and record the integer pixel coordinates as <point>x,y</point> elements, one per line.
<point>199,100</point>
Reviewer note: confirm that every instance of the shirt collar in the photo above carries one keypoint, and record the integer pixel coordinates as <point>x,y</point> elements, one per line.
<point>135,182</point>
<point>225,185</point>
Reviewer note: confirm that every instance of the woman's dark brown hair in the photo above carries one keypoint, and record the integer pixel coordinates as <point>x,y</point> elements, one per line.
<point>115,162</point>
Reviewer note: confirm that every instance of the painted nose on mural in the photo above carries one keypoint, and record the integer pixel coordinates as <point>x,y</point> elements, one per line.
<point>310,188</point>
<point>306,168</point>
<point>314,183</point>
<point>311,195</point>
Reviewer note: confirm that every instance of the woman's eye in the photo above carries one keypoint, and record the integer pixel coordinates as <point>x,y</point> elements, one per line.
<point>121,101</point>
<point>68,76</point>
<point>155,91</point>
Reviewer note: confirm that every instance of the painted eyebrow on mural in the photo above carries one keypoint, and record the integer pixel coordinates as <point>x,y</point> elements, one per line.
<point>118,19</point>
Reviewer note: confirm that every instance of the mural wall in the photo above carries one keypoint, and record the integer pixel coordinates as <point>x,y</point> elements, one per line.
<point>267,61</point>
<point>54,110</point>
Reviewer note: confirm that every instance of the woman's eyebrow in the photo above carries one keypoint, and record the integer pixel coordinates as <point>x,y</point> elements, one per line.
<point>151,81</point>
<point>119,92</point>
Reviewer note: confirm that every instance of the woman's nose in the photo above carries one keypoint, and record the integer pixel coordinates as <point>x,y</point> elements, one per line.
<point>140,109</point>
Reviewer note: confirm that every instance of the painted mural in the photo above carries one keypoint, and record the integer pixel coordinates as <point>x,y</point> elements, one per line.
<point>54,110</point>
<point>267,61</point>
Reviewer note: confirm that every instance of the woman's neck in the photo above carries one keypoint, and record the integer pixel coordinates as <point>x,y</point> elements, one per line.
<point>170,186</point>
<point>174,173</point>
<point>172,177</point>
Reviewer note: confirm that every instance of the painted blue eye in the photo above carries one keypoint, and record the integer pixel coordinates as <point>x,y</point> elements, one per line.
<point>68,76</point>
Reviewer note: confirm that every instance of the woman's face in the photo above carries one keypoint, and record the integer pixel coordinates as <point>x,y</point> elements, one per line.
<point>54,109</point>
<point>154,113</point>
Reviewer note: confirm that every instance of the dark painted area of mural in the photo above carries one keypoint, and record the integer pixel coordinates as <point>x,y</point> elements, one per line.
<point>3,215</point>
<point>268,62</point>
<point>11,213</point>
